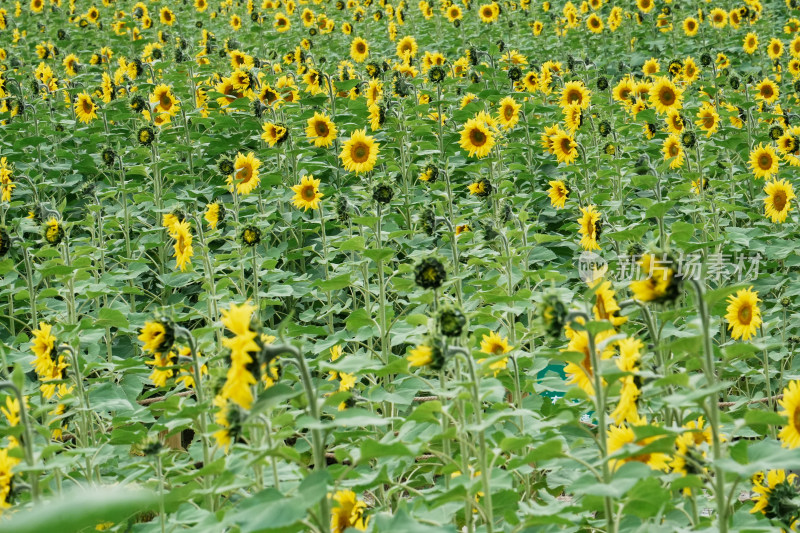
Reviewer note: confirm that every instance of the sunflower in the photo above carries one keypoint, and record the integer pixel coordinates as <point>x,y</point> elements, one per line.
<point>665,96</point>
<point>53,232</point>
<point>348,513</point>
<point>718,18</point>
<point>660,283</point>
<point>605,305</point>
<point>493,344</point>
<point>274,133</point>
<point>750,44</point>
<point>359,50</point>
<point>651,67</point>
<point>306,194</point>
<point>743,314</point>
<point>477,138</point>
<point>421,355</point>
<point>777,498</point>
<point>675,122</point>
<point>85,108</point>
<point>794,47</point>
<point>573,117</point>
<point>321,130</point>
<point>673,150</point>
<point>489,12</point>
<point>282,23</point>
<point>623,436</point>
<point>407,47</point>
<point>508,114</point>
<point>564,147</point>
<point>775,48</point>
<point>623,89</point>
<point>690,71</point>
<point>594,23</point>
<point>215,213</point>
<point>43,347</point>
<point>707,119</point>
<point>453,13</point>
<point>377,116</point>
<point>182,234</point>
<point>790,433</point>
<point>161,371</point>
<point>360,152</point>
<point>767,90</point>
<point>778,202</point>
<point>645,6</point>
<point>166,16</point>
<point>245,173</point>
<point>164,99</point>
<point>558,193</point>
<point>581,373</point>
<point>764,161</point>
<point>690,26</point>
<point>156,336</point>
<point>590,227</point>
<point>575,92</point>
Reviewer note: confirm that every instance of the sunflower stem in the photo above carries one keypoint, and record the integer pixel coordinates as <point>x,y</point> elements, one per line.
<point>713,407</point>
<point>28,444</point>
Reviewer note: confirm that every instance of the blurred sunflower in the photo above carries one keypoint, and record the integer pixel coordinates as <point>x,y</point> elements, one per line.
<point>707,119</point>
<point>790,433</point>
<point>359,50</point>
<point>321,130</point>
<point>673,151</point>
<point>508,114</point>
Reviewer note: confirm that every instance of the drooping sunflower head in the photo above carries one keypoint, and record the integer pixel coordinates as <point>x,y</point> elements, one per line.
<point>145,135</point>
<point>430,273</point>
<point>250,235</point>
<point>157,335</point>
<point>558,193</point>
<point>53,232</point>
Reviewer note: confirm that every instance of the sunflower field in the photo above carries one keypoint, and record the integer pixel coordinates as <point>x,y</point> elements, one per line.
<point>380,265</point>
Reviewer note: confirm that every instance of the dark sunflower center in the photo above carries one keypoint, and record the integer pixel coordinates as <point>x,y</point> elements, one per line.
<point>308,192</point>
<point>574,97</point>
<point>165,101</point>
<point>745,314</point>
<point>667,96</point>
<point>360,153</point>
<point>766,91</point>
<point>245,173</point>
<point>673,150</point>
<point>779,200</point>
<point>708,121</point>
<point>764,161</point>
<point>508,112</point>
<point>477,137</point>
<point>361,48</point>
<point>321,128</point>
<point>88,107</point>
